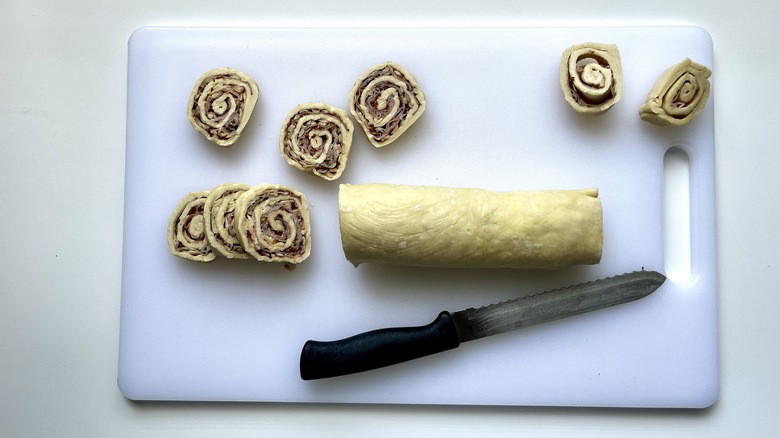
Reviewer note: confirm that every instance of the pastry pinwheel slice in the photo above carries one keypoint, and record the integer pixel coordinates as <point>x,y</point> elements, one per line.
<point>386,100</point>
<point>316,138</point>
<point>591,77</point>
<point>187,229</point>
<point>469,227</point>
<point>273,223</point>
<point>221,104</point>
<point>678,96</point>
<point>219,213</point>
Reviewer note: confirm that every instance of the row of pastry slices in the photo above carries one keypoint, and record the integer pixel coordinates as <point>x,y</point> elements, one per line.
<point>266,222</point>
<point>315,137</point>
<point>591,78</point>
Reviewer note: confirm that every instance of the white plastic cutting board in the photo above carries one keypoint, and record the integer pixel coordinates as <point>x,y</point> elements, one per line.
<point>495,119</point>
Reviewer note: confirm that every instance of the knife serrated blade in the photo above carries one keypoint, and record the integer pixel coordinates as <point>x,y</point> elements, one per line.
<point>389,346</point>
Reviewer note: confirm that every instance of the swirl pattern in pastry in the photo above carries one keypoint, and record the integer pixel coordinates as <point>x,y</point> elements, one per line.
<point>219,213</point>
<point>187,229</point>
<point>386,100</point>
<point>221,104</point>
<point>678,96</point>
<point>316,138</point>
<point>273,223</point>
<point>591,77</point>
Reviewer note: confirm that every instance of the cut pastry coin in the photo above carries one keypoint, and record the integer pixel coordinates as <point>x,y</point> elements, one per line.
<point>187,229</point>
<point>678,96</point>
<point>316,138</point>
<point>219,213</point>
<point>591,77</point>
<point>273,223</point>
<point>221,104</point>
<point>386,100</point>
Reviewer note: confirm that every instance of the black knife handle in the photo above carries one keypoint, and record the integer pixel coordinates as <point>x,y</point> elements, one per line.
<point>377,348</point>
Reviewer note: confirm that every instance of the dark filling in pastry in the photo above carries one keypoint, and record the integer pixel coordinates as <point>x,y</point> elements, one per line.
<point>688,92</point>
<point>334,154</point>
<point>585,100</point>
<point>289,205</point>
<point>224,95</point>
<point>200,238</point>
<point>406,94</point>
<point>230,215</point>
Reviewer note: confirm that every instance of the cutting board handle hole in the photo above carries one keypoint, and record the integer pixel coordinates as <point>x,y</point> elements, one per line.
<point>677,215</point>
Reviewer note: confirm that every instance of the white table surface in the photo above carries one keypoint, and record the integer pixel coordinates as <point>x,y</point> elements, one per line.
<point>63,106</point>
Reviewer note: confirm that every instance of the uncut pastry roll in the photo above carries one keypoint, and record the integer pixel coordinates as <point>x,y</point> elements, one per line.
<point>386,100</point>
<point>316,138</point>
<point>187,229</point>
<point>469,228</point>
<point>273,223</point>
<point>219,213</point>
<point>678,95</point>
<point>221,103</point>
<point>591,77</point>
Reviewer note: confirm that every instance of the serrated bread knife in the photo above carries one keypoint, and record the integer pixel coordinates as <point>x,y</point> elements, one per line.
<point>389,346</point>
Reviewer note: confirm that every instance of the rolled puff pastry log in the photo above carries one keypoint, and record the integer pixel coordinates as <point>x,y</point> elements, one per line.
<point>221,103</point>
<point>469,228</point>
<point>591,77</point>
<point>386,100</point>
<point>219,213</point>
<point>316,138</point>
<point>187,229</point>
<point>273,223</point>
<point>678,95</point>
